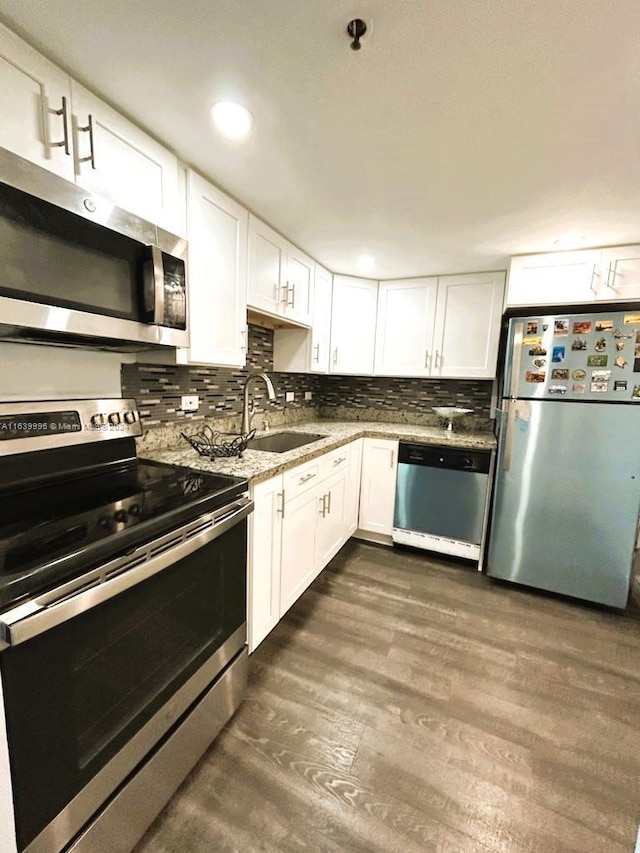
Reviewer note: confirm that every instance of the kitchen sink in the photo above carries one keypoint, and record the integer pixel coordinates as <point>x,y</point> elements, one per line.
<point>280,442</point>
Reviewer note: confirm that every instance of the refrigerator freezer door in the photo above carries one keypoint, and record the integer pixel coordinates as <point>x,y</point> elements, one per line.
<point>566,509</point>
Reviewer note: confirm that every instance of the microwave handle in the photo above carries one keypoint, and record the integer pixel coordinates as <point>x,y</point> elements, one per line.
<point>154,285</point>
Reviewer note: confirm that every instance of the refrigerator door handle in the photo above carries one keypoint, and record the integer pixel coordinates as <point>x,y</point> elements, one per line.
<point>516,357</point>
<point>508,435</point>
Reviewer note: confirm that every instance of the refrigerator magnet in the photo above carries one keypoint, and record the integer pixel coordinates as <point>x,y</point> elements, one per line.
<point>558,354</point>
<point>578,345</point>
<point>581,327</point>
<point>619,345</point>
<point>539,362</point>
<point>597,360</point>
<point>532,327</point>
<point>579,387</point>
<point>620,361</point>
<point>620,385</point>
<point>600,374</point>
<point>604,325</point>
<point>561,327</point>
<point>557,389</point>
<point>631,320</point>
<point>635,394</point>
<point>532,341</point>
<point>600,345</point>
<point>579,374</point>
<point>538,350</point>
<point>535,376</point>
<point>560,373</point>
<point>599,386</point>
<point>620,333</point>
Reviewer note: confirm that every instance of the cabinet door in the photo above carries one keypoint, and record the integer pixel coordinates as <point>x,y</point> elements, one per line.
<point>331,530</point>
<point>217,276</point>
<point>620,273</point>
<point>299,286</point>
<point>34,124</point>
<point>264,558</point>
<point>267,260</point>
<point>553,278</point>
<point>404,331</point>
<point>353,487</point>
<point>467,327</point>
<point>321,321</point>
<point>378,485</point>
<point>116,159</point>
<point>298,565</point>
<point>353,324</point>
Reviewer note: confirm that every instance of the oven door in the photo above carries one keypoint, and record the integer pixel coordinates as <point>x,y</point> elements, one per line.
<point>95,676</point>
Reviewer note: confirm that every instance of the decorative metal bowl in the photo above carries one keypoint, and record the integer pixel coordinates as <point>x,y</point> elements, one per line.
<point>450,413</point>
<point>216,445</point>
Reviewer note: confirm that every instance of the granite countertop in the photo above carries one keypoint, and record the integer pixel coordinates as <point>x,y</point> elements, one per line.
<point>259,465</point>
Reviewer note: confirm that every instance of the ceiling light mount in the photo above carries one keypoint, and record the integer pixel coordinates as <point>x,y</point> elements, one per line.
<point>356,30</point>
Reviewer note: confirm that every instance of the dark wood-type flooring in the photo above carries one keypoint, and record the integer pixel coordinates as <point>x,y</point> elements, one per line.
<point>410,704</point>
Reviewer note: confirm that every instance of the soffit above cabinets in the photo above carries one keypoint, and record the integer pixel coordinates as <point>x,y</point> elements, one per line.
<point>462,133</point>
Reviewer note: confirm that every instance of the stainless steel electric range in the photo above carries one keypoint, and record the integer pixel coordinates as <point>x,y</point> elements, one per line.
<point>122,624</point>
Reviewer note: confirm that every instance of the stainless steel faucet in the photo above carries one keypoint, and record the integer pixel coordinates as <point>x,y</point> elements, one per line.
<point>246,411</point>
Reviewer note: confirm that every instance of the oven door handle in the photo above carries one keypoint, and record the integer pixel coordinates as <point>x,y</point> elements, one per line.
<point>40,614</point>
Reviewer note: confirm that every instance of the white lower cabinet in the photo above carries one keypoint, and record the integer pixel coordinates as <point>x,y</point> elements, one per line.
<point>300,521</point>
<point>352,507</point>
<point>378,486</point>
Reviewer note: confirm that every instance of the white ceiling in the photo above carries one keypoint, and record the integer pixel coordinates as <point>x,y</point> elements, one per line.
<point>463,132</point>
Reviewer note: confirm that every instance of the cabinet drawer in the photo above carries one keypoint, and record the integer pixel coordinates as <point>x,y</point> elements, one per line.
<point>336,460</point>
<point>301,478</point>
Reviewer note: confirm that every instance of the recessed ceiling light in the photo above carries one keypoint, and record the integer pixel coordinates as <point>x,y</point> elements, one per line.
<point>232,120</point>
<point>366,264</point>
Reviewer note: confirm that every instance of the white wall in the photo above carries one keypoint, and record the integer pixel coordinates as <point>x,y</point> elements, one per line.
<point>55,373</point>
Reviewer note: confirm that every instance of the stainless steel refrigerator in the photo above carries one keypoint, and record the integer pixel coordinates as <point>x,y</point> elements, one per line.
<point>567,489</point>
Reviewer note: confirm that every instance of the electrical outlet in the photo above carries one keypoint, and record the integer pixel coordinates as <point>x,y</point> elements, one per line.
<point>190,403</point>
<point>308,395</point>
<point>290,396</point>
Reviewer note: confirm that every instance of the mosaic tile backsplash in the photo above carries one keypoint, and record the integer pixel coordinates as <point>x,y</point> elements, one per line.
<point>158,388</point>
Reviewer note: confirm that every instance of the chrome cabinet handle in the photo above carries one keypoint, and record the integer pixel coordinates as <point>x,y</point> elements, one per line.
<point>338,460</point>
<point>426,358</point>
<point>290,295</point>
<point>317,351</point>
<point>65,127</point>
<point>335,357</point>
<point>306,478</point>
<point>328,503</point>
<point>594,275</point>
<point>280,509</point>
<point>92,151</point>
<point>40,614</point>
<point>611,277</point>
<point>393,455</point>
<point>438,359</point>
<point>323,509</point>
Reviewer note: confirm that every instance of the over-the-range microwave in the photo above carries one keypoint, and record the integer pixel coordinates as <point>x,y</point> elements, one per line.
<point>77,271</point>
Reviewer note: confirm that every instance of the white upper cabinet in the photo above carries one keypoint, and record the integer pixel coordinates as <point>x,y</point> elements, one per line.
<point>467,325</point>
<point>35,105</point>
<point>298,304</point>
<point>114,158</point>
<point>620,273</point>
<point>217,276</point>
<point>404,333</point>
<point>52,121</point>
<point>321,328</point>
<point>280,275</point>
<point>266,288</point>
<point>553,278</point>
<point>353,325</point>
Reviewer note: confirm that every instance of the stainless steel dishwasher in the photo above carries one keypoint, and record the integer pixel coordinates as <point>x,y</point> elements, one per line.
<point>442,497</point>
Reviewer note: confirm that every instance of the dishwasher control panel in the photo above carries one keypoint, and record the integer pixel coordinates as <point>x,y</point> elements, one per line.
<point>451,458</point>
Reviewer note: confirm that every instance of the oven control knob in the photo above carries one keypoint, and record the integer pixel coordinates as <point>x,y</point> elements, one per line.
<point>114,418</point>
<point>98,420</point>
<point>130,417</point>
<point>134,509</point>
<point>120,515</point>
<point>468,463</point>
